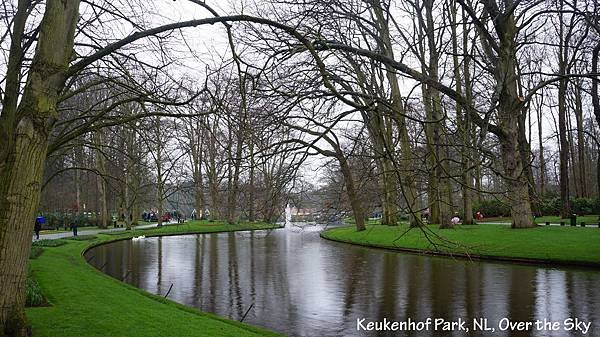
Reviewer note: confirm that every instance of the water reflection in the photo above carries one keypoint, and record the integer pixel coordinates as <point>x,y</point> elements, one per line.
<point>302,285</point>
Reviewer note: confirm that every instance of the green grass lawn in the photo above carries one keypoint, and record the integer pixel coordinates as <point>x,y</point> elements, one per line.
<point>86,302</point>
<point>565,245</point>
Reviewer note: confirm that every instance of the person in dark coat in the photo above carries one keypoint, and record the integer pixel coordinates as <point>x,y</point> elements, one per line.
<point>37,228</point>
<point>74,227</point>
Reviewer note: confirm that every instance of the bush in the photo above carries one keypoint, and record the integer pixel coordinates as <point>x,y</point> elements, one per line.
<point>579,206</point>
<point>550,206</point>
<point>35,252</point>
<point>49,243</point>
<point>585,206</point>
<point>82,237</point>
<point>33,293</point>
<point>492,208</point>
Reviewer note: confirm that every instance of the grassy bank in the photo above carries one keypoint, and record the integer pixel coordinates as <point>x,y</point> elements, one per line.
<point>85,302</point>
<point>561,245</point>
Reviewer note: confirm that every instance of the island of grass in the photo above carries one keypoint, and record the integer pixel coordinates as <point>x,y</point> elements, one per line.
<point>82,301</point>
<point>542,244</point>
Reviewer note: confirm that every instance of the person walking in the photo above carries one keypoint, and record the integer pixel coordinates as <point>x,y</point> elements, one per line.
<point>74,227</point>
<point>37,227</point>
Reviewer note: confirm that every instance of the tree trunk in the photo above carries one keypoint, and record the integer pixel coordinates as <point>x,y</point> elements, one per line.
<point>516,180</point>
<point>573,160</point>
<point>464,126</point>
<point>127,197</point>
<point>565,210</point>
<point>509,110</point>
<point>199,199</point>
<point>478,187</point>
<point>541,149</point>
<point>582,172</point>
<point>402,169</point>
<point>20,179</point>
<point>441,169</point>
<point>596,105</point>
<point>251,187</point>
<point>21,171</point>
<point>433,183</point>
<point>197,158</point>
<point>473,153</point>
<point>233,194</point>
<point>160,178</point>
<point>159,200</point>
<point>213,179</point>
<point>230,206</point>
<point>563,151</point>
<point>525,151</point>
<point>78,160</point>
<point>100,180</point>
<point>390,208</point>
<point>438,196</point>
<point>357,210</point>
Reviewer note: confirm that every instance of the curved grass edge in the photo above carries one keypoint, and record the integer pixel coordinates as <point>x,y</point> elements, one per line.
<point>167,305</point>
<point>329,234</point>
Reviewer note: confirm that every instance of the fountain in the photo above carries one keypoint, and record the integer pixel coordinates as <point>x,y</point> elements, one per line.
<point>288,215</point>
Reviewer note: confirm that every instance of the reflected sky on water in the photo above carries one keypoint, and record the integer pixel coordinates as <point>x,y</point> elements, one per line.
<point>302,285</point>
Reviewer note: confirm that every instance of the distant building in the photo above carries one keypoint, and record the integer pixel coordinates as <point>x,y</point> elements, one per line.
<point>302,214</point>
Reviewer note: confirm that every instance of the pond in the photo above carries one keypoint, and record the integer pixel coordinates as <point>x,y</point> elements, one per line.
<point>292,281</point>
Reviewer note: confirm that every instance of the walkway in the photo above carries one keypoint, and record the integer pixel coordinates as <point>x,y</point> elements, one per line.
<point>94,231</point>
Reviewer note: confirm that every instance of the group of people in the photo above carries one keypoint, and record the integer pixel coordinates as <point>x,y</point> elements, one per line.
<point>456,219</point>
<point>148,216</point>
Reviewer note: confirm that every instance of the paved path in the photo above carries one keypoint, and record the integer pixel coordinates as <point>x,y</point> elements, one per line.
<point>95,231</point>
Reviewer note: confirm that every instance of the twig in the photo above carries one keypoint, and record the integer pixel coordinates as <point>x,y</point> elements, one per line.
<point>247,311</point>
<point>169,291</point>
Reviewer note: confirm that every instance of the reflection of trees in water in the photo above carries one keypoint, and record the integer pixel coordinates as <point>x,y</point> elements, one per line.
<point>473,291</point>
<point>350,264</point>
<point>252,287</point>
<point>302,285</point>
<point>521,296</point>
<point>443,277</point>
<point>235,295</point>
<point>553,295</point>
<point>213,269</point>
<point>198,268</point>
<point>277,295</point>
<point>159,266</point>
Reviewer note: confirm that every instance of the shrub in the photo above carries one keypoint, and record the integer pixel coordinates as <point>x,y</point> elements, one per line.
<point>82,237</point>
<point>584,206</point>
<point>33,293</point>
<point>579,206</point>
<point>49,243</point>
<point>35,252</point>
<point>550,206</point>
<point>492,208</point>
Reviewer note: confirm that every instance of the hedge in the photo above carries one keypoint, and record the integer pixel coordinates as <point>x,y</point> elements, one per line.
<point>549,206</point>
